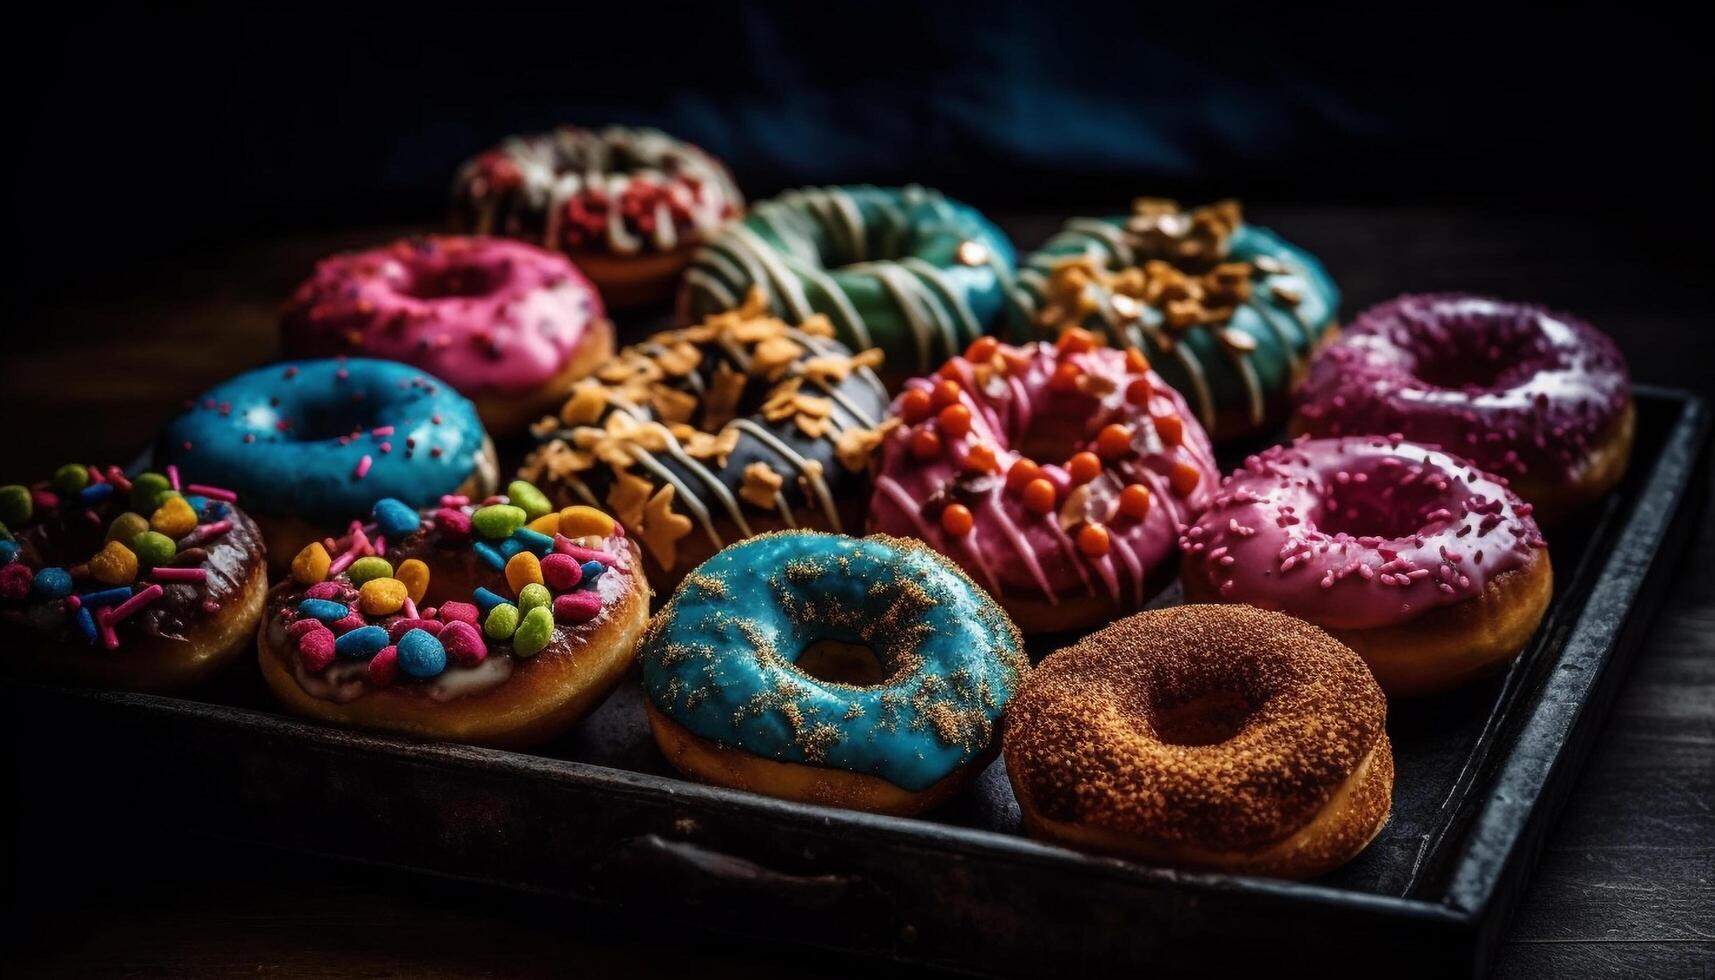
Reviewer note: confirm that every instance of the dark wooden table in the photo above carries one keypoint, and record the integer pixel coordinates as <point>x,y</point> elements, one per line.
<point>1626,885</point>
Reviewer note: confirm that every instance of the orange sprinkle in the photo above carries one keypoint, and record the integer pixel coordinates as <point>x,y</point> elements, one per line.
<point>1135,362</point>
<point>946,393</point>
<point>956,520</point>
<point>1021,473</point>
<point>1084,467</point>
<point>1076,340</point>
<point>955,420</point>
<point>1185,477</point>
<point>1138,392</point>
<point>982,349</point>
<point>1093,540</point>
<point>1113,441</point>
<point>1134,501</point>
<point>925,444</point>
<point>1065,377</point>
<point>979,459</point>
<point>1039,496</point>
<point>1171,429</point>
<point>949,371</point>
<point>915,406</point>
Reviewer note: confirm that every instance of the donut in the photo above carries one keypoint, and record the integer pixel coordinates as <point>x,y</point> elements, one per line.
<point>905,270</point>
<point>145,583</point>
<point>1057,475</point>
<point>1540,398</point>
<point>1220,738</point>
<point>507,324</point>
<point>312,445</point>
<point>627,205</point>
<point>866,673</point>
<point>697,437</point>
<point>1433,571</point>
<point>1229,312</point>
<point>500,622</point>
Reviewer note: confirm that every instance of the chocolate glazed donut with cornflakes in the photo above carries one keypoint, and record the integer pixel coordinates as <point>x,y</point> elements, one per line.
<point>699,437</point>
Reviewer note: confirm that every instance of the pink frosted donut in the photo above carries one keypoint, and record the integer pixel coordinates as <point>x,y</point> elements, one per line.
<point>509,325</point>
<point>1061,545</point>
<point>1540,398</point>
<point>1430,568</point>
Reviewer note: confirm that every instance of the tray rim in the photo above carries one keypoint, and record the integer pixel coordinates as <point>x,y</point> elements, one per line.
<point>1465,898</point>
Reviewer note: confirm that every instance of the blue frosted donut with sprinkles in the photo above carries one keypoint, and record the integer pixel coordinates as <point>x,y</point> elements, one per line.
<point>313,444</point>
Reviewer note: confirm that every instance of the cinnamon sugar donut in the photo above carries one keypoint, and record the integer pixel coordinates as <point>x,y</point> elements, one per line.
<point>1217,737</point>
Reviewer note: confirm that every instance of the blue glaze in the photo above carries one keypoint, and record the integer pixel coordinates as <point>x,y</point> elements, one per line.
<point>361,643</point>
<point>304,470</point>
<point>719,659</point>
<point>326,610</point>
<point>395,517</point>
<point>421,655</point>
<point>51,583</point>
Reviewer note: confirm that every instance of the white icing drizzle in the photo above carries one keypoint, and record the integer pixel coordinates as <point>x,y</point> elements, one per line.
<point>808,469</point>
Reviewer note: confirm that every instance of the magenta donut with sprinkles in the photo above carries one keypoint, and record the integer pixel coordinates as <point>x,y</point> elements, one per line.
<point>1540,398</point>
<point>1393,547</point>
<point>509,325</point>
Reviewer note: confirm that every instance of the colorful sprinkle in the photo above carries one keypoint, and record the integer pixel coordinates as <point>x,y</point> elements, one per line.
<point>415,574</point>
<point>463,612</point>
<point>126,527</point>
<point>534,632</point>
<point>361,643</point>
<point>580,521</point>
<point>365,569</point>
<point>114,564</point>
<point>523,569</point>
<point>16,504</point>
<point>421,655</point>
<point>381,596</point>
<point>497,521</point>
<point>153,548</point>
<point>526,496</point>
<point>311,564</point>
<point>325,610</point>
<point>71,478</point>
<point>562,573</point>
<point>501,622</point>
<point>179,575</point>
<point>148,491</point>
<point>577,607</point>
<point>395,518</point>
<point>52,583</point>
<point>463,643</point>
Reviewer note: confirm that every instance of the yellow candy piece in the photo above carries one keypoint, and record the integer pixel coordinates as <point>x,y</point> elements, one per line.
<point>521,570</point>
<point>114,564</point>
<point>577,521</point>
<point>381,596</point>
<point>548,524</point>
<point>174,518</point>
<point>311,564</point>
<point>415,575</point>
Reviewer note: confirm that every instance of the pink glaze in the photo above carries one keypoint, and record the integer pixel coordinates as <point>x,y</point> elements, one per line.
<point>1013,550</point>
<point>1514,388</point>
<point>484,314</point>
<point>1358,533</point>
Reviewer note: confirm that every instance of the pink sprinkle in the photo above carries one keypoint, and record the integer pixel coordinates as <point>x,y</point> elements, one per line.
<point>363,466</point>
<point>207,532</point>
<point>173,476</point>
<point>73,602</point>
<point>178,575</point>
<point>109,639</point>
<point>212,493</point>
<point>115,614</point>
<point>116,476</point>
<point>383,430</point>
<point>454,500</point>
<point>410,609</point>
<point>385,447</point>
<point>563,545</point>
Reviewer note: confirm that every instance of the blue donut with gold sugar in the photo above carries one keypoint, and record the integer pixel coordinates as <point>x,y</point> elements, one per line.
<point>867,673</point>
<point>311,445</point>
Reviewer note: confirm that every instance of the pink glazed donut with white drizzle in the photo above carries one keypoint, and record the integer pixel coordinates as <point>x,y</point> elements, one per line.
<point>509,325</point>
<point>1086,535</point>
<point>1432,570</point>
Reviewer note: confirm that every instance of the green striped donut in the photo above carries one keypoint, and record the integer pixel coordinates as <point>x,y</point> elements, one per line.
<point>906,270</point>
<point>1229,314</point>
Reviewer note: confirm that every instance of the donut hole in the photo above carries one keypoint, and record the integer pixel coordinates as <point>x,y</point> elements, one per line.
<point>835,661</point>
<point>1459,373</point>
<point>1206,719</point>
<point>453,281</point>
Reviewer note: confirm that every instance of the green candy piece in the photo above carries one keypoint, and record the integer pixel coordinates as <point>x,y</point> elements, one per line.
<point>147,492</point>
<point>5,535</point>
<point>525,495</point>
<point>498,521</point>
<point>534,633</point>
<point>71,478</point>
<point>533,596</point>
<point>502,622</point>
<point>364,569</point>
<point>15,504</point>
<point>126,527</point>
<point>152,548</point>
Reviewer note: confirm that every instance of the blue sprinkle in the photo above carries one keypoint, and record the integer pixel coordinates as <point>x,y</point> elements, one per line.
<point>486,552</point>
<point>107,597</point>
<point>395,517</point>
<point>326,610</point>
<point>198,504</point>
<point>510,547</point>
<point>8,551</point>
<point>95,493</point>
<point>536,541</point>
<point>361,643</point>
<point>591,570</point>
<point>421,655</point>
<point>218,509</point>
<point>486,600</point>
<point>86,623</point>
<point>52,583</point>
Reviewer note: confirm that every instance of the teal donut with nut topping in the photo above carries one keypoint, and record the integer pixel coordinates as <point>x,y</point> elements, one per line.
<point>1227,313</point>
<point>733,702</point>
<point>906,270</point>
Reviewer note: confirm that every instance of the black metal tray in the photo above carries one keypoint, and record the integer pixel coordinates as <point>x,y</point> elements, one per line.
<point>599,816</point>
